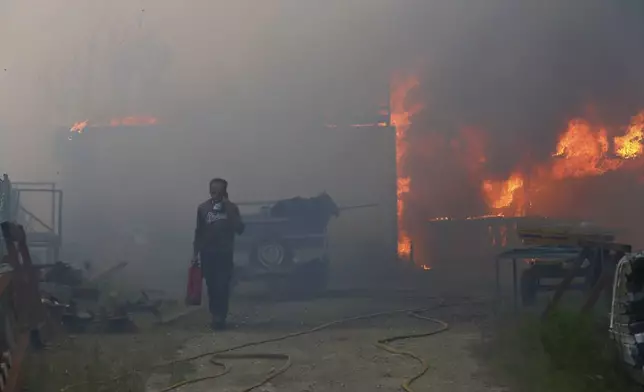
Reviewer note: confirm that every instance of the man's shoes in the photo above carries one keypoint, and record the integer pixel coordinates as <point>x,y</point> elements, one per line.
<point>218,325</point>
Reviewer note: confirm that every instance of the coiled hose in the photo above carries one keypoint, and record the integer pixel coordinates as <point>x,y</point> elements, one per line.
<point>384,344</point>
<point>218,355</point>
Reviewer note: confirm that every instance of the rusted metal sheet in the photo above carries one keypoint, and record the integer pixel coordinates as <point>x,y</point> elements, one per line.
<point>22,313</point>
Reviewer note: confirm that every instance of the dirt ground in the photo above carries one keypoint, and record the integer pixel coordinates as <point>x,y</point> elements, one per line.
<point>343,357</point>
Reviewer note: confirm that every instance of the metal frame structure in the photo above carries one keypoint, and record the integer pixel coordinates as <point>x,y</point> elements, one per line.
<point>604,254</point>
<point>541,253</point>
<point>51,238</point>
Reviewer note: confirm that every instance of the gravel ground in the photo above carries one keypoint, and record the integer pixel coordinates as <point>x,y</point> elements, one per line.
<point>344,357</point>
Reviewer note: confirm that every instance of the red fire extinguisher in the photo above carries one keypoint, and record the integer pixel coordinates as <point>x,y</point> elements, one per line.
<point>195,284</point>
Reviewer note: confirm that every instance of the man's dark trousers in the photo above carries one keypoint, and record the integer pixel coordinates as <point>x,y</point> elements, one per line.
<point>217,267</point>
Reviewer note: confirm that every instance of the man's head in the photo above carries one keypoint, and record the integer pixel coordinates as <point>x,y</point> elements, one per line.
<point>218,189</point>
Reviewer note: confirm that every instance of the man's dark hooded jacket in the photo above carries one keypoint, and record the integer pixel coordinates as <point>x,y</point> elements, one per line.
<point>217,224</point>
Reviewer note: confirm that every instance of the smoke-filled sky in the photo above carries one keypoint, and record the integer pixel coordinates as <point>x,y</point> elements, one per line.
<point>516,69</point>
<point>513,67</point>
<point>259,73</point>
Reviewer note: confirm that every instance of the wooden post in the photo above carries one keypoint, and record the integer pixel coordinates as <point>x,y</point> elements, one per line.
<point>411,253</point>
<point>497,271</point>
<point>28,306</point>
<point>566,282</point>
<point>31,310</point>
<point>514,284</point>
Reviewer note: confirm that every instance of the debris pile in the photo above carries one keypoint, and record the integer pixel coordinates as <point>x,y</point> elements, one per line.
<point>82,303</point>
<point>310,214</point>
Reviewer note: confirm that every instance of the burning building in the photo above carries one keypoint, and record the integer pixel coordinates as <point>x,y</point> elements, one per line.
<point>448,179</point>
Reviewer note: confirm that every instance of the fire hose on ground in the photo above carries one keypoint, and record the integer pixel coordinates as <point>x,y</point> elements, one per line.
<point>218,355</point>
<point>384,344</point>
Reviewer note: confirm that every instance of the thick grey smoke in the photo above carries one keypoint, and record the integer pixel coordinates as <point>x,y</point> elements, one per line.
<point>214,63</point>
<point>516,68</point>
<point>262,73</point>
<point>519,70</point>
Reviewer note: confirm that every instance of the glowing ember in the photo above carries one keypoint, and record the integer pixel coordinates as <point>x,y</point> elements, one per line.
<point>79,127</point>
<point>503,231</point>
<point>491,235</point>
<point>489,216</point>
<point>133,121</point>
<point>400,118</point>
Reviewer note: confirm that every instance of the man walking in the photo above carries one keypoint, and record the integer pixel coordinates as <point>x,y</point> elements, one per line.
<point>218,220</point>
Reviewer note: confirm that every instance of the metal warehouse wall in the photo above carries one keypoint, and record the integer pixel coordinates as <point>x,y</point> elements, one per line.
<point>126,186</point>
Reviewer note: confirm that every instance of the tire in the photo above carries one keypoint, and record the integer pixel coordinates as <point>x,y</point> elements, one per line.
<point>271,255</point>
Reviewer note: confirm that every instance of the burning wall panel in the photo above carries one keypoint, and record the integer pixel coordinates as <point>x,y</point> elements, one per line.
<point>448,168</point>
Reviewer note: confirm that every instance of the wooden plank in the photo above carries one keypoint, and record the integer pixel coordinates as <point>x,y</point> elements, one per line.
<point>605,280</point>
<point>32,305</point>
<point>565,283</point>
<point>25,279</point>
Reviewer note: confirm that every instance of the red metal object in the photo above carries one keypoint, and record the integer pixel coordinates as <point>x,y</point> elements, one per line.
<point>25,314</point>
<point>195,285</point>
<point>24,275</point>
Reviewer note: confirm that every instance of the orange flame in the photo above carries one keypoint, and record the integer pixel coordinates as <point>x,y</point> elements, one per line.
<point>501,195</point>
<point>79,126</point>
<point>582,152</point>
<point>131,121</point>
<point>400,118</point>
<point>630,146</point>
<point>503,231</point>
<point>491,235</point>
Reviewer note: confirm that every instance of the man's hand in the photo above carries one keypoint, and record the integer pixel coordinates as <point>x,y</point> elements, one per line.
<point>195,259</point>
